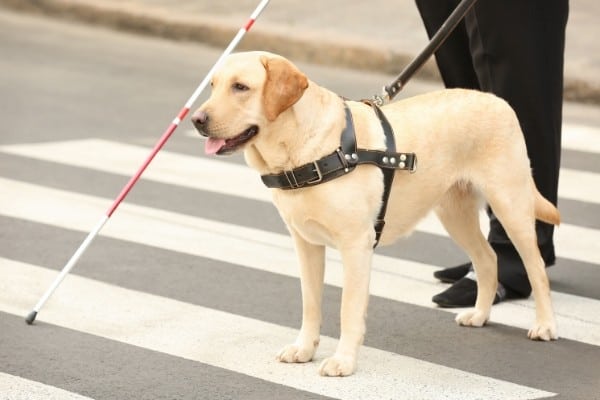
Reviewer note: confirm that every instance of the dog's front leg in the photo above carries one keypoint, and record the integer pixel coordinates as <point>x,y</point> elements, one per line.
<point>356,258</point>
<point>312,267</point>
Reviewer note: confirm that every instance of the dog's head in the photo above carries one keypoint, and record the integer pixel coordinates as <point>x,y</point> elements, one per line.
<point>249,91</point>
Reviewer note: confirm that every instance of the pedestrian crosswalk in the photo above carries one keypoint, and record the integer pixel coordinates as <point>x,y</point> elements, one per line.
<point>185,324</point>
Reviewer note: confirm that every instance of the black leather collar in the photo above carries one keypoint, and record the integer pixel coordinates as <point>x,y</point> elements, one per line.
<point>344,159</point>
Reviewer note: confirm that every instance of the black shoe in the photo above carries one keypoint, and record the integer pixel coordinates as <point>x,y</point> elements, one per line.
<point>463,293</point>
<point>453,274</point>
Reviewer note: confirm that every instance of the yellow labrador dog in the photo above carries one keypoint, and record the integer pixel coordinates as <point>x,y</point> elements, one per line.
<point>470,150</point>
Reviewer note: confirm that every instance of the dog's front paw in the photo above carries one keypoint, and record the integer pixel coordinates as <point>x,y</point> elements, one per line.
<point>474,317</point>
<point>338,366</point>
<point>294,353</point>
<point>543,331</point>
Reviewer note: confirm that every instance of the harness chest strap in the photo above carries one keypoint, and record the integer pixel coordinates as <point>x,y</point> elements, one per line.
<point>344,159</point>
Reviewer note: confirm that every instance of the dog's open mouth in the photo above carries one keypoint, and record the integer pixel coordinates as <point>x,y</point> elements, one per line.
<point>228,146</point>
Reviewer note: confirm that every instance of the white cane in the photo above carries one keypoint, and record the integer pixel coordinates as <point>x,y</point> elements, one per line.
<point>163,139</point>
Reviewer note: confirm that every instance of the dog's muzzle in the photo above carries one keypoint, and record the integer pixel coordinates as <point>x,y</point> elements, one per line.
<point>217,145</point>
<point>199,120</point>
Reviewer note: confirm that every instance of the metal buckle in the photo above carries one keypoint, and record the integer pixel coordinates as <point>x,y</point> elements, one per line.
<point>294,184</point>
<point>319,177</point>
<point>413,168</point>
<point>343,159</point>
<point>381,99</point>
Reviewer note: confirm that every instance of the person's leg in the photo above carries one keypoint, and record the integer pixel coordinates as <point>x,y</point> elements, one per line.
<point>454,62</point>
<point>518,53</point>
<point>516,49</point>
<point>454,56</point>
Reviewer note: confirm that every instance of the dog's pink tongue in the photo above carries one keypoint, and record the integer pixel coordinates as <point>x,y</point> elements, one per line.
<point>212,146</point>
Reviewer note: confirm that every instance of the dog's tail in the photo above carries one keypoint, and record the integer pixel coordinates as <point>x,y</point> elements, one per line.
<point>544,210</point>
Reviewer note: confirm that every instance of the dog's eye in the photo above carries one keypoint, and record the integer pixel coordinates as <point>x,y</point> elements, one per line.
<point>240,87</point>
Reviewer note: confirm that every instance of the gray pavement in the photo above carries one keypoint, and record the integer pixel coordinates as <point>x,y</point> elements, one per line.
<point>378,35</point>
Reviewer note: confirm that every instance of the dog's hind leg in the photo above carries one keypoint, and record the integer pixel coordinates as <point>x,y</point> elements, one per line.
<point>312,267</point>
<point>515,211</point>
<point>459,213</point>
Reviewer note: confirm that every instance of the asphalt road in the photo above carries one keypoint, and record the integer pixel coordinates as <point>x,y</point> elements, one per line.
<point>192,287</point>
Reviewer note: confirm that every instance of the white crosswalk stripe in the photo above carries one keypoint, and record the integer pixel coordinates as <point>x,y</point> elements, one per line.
<point>580,138</point>
<point>207,174</point>
<point>17,388</point>
<point>213,337</point>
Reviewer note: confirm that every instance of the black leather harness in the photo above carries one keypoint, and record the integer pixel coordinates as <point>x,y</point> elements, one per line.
<point>344,159</point>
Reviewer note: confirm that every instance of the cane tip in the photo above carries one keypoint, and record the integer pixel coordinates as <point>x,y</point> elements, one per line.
<point>31,317</point>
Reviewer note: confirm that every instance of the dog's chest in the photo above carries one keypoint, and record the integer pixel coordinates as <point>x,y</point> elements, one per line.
<point>307,215</point>
<point>328,213</point>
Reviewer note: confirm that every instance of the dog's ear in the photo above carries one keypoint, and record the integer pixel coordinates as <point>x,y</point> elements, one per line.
<point>283,87</point>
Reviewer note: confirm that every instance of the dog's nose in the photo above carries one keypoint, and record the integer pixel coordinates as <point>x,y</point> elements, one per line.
<point>199,120</point>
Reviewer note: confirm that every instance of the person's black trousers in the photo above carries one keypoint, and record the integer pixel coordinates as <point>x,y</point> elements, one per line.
<point>514,49</point>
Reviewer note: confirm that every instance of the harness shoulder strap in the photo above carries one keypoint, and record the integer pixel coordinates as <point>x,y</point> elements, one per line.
<point>388,174</point>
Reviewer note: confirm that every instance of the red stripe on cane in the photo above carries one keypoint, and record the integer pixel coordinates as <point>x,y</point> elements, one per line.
<point>183,113</point>
<point>163,139</point>
<point>249,24</point>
